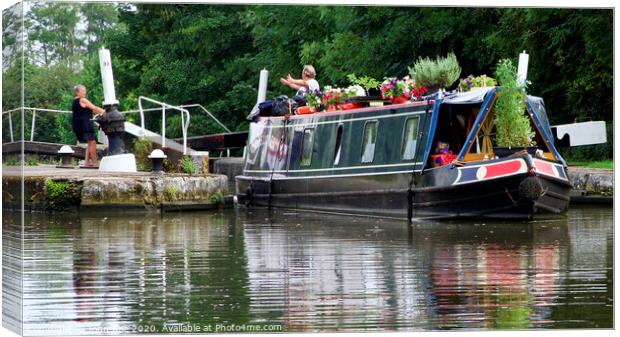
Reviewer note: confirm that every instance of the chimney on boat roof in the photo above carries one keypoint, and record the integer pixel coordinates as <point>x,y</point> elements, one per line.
<point>522,68</point>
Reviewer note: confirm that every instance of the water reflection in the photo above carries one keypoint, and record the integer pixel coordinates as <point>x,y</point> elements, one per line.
<point>308,272</point>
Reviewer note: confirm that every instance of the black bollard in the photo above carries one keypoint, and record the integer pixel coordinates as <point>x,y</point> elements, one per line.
<point>112,123</point>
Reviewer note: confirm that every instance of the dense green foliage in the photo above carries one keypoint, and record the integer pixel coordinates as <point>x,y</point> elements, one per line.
<point>511,122</point>
<point>212,54</point>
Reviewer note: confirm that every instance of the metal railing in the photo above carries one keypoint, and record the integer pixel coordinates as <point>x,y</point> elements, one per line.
<point>164,106</point>
<point>208,114</point>
<point>34,118</point>
<point>140,110</point>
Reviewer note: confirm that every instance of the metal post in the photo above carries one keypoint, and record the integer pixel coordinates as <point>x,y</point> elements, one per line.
<point>34,116</point>
<point>11,125</point>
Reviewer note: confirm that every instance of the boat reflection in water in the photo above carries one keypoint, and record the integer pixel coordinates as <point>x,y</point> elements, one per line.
<point>304,272</point>
<point>468,275</point>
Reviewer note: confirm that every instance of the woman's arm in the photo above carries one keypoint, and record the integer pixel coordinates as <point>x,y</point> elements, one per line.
<point>290,84</point>
<point>85,103</point>
<point>300,83</point>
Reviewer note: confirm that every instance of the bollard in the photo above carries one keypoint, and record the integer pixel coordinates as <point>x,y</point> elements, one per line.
<point>65,153</point>
<point>157,158</point>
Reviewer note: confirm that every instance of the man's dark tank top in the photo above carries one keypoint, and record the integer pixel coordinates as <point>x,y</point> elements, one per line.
<point>80,112</point>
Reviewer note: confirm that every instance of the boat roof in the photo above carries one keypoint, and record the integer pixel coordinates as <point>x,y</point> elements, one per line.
<point>469,97</point>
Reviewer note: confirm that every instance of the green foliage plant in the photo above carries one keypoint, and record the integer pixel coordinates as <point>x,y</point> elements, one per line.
<point>365,82</point>
<point>217,198</point>
<point>11,162</point>
<point>188,166</point>
<point>439,73</point>
<point>512,123</point>
<point>142,148</point>
<point>61,195</point>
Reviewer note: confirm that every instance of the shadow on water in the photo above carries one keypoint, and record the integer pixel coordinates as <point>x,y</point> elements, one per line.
<point>310,272</point>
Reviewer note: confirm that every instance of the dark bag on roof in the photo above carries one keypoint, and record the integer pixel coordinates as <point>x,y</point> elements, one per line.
<point>299,99</point>
<point>265,108</point>
<point>282,106</point>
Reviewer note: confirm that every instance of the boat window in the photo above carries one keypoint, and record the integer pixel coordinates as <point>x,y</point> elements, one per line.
<point>306,147</point>
<point>410,139</point>
<point>338,145</point>
<point>369,140</point>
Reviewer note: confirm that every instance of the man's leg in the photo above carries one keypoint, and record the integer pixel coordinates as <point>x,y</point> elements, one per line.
<point>92,148</point>
<point>87,156</point>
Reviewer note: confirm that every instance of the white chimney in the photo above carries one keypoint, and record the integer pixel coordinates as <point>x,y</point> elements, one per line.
<point>262,86</point>
<point>524,58</point>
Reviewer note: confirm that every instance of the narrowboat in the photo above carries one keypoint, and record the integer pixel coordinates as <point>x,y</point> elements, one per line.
<point>425,159</point>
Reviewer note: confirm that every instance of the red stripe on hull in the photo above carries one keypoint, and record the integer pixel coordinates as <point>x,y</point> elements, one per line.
<point>501,169</point>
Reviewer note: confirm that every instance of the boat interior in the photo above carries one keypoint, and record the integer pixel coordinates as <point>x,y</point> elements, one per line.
<point>456,122</point>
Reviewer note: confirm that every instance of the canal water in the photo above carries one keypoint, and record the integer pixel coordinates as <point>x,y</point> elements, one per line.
<point>239,270</point>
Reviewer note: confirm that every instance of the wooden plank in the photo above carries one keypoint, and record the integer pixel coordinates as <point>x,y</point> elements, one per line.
<point>40,148</point>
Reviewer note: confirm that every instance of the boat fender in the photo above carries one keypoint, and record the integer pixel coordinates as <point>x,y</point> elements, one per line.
<point>530,188</point>
<point>249,194</point>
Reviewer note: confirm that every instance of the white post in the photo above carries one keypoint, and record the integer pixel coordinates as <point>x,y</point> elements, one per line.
<point>262,86</point>
<point>522,68</point>
<point>105,63</point>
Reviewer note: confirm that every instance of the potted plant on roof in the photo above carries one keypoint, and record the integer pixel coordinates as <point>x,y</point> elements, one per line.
<point>437,74</point>
<point>474,83</point>
<point>512,122</point>
<point>314,101</point>
<point>396,90</point>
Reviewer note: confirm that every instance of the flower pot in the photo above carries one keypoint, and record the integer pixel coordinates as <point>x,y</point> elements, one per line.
<point>374,92</point>
<point>432,90</point>
<point>502,152</point>
<point>305,110</point>
<point>350,106</point>
<point>400,99</point>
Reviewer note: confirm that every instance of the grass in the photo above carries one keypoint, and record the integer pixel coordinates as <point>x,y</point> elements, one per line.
<point>603,164</point>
